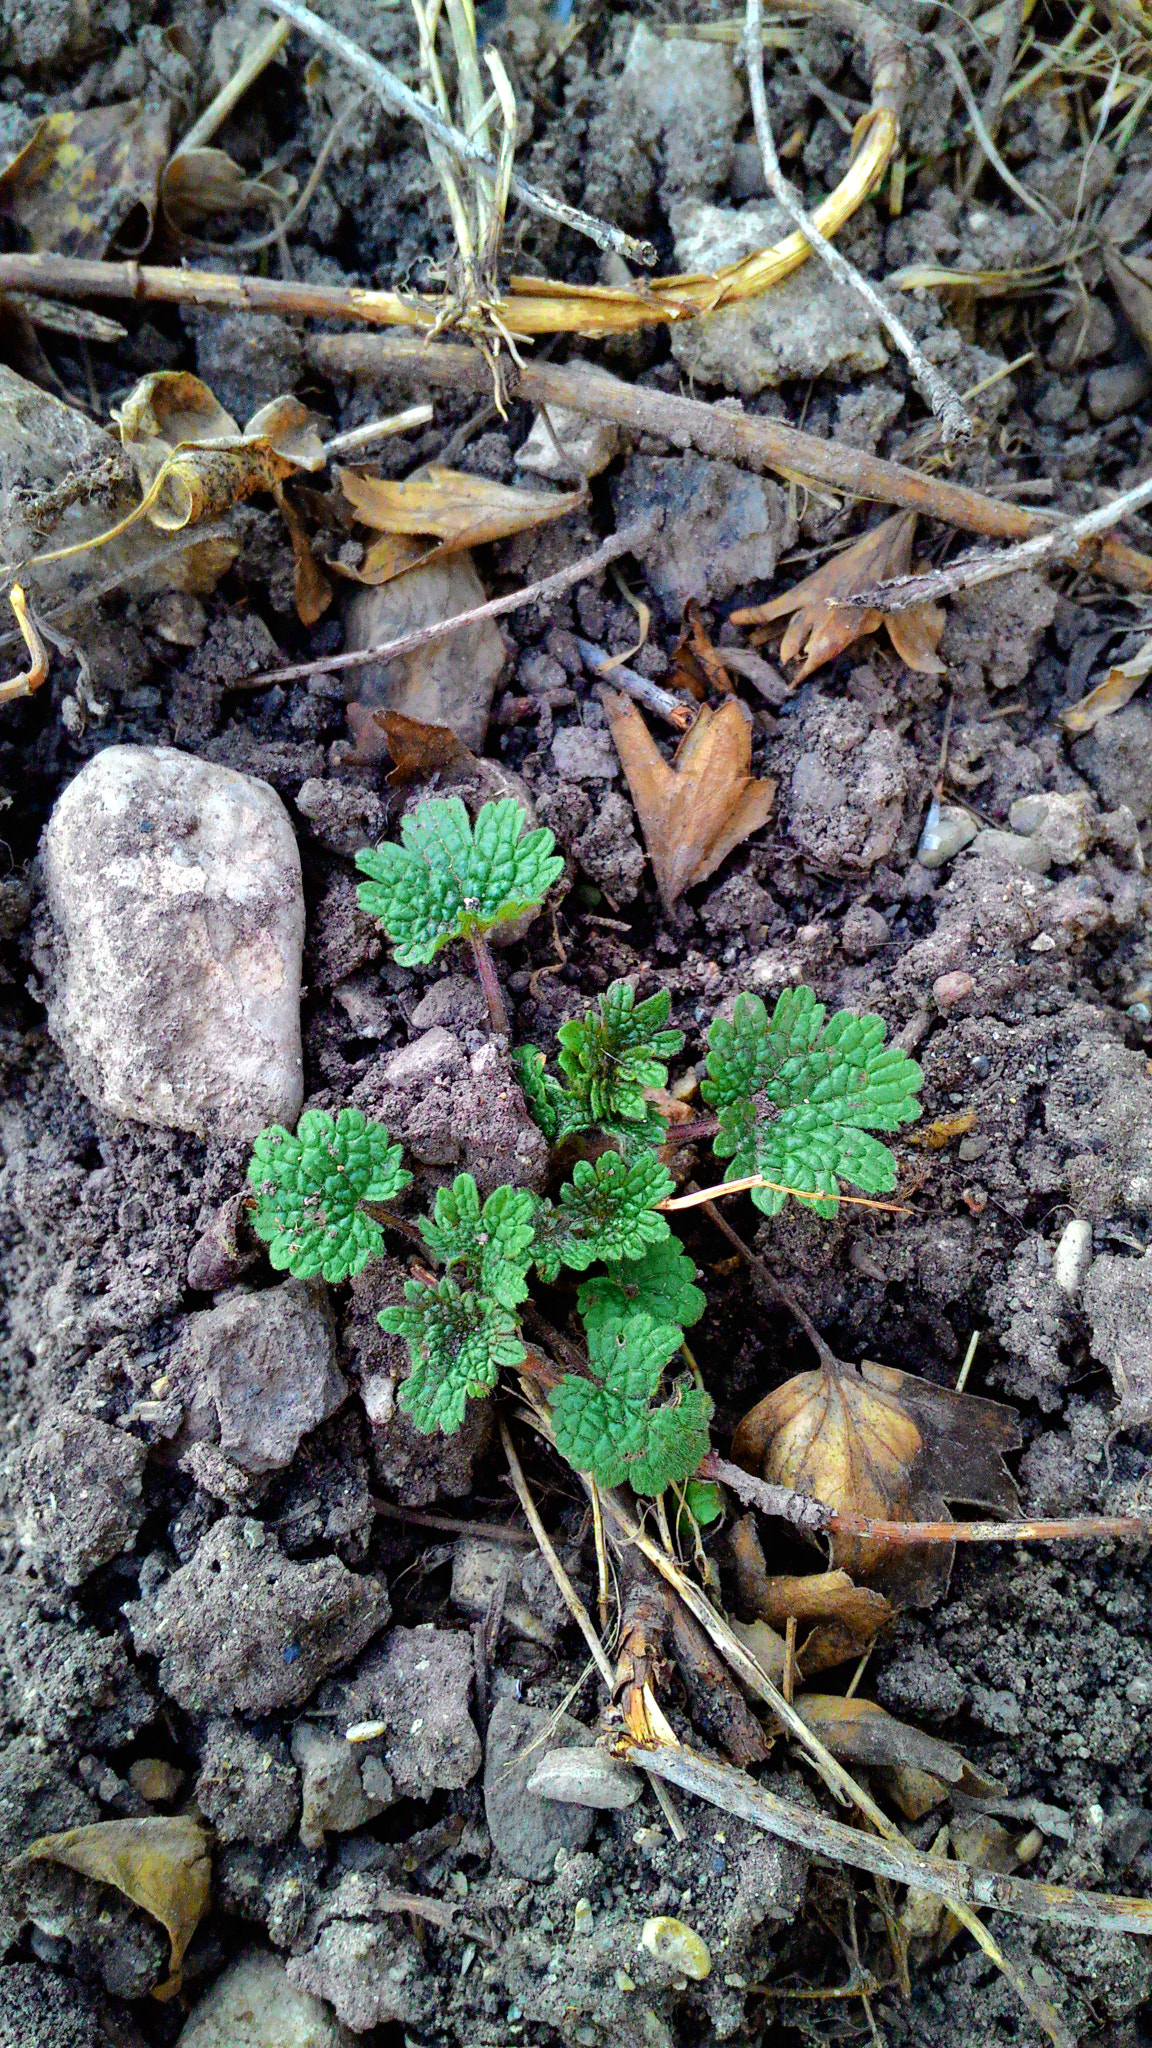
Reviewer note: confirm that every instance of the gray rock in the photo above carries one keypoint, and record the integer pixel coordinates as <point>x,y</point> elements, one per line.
<point>1063,823</point>
<point>589,444</point>
<point>1117,1301</point>
<point>608,849</point>
<point>580,1776</point>
<point>723,527</point>
<point>417,1682</point>
<point>343,816</point>
<point>364,1961</point>
<point>248,1786</point>
<point>527,1832</point>
<point>258,1372</point>
<point>344,1787</point>
<point>176,890</point>
<point>808,325</point>
<point>992,633</point>
<point>453,1111</point>
<point>1116,756</point>
<point>1118,388</point>
<point>738,905</point>
<point>947,830</point>
<point>457,1003</point>
<point>64,1682</point>
<point>689,105</point>
<point>255,2004</point>
<point>453,681</point>
<point>1033,854</point>
<point>863,932</point>
<point>585,753</point>
<point>81,1494</point>
<point>242,1629</point>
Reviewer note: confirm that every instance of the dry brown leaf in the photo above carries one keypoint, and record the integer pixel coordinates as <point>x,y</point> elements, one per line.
<point>873,1441</point>
<point>192,455</point>
<point>80,178</point>
<point>198,184</point>
<point>312,590</point>
<point>696,664</point>
<point>821,627</point>
<point>1131,279</point>
<point>859,1731</point>
<point>942,1131</point>
<point>1119,686</point>
<point>695,811</point>
<point>458,510</point>
<point>418,750</point>
<point>848,1617</point>
<point>161,1864</point>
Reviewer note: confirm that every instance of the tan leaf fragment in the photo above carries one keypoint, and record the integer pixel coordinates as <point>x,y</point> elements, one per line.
<point>1131,279</point>
<point>418,750</point>
<point>200,183</point>
<point>161,1864</point>
<point>191,459</point>
<point>872,1441</point>
<point>447,505</point>
<point>696,810</point>
<point>311,587</point>
<point>822,627</point>
<point>848,1618</point>
<point>859,1731</point>
<point>1119,686</point>
<point>81,177</point>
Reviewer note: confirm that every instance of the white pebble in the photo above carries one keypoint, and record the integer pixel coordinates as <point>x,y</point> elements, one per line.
<point>1073,1257</point>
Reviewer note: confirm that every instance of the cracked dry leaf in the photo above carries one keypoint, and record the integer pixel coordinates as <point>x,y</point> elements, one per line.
<point>188,451</point>
<point>821,627</point>
<point>445,505</point>
<point>162,1864</point>
<point>81,177</point>
<point>696,810</point>
<point>872,1441</point>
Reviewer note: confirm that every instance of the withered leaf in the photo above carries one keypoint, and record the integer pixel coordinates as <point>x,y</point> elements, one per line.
<point>418,750</point>
<point>184,445</point>
<point>447,505</point>
<point>873,1441</point>
<point>1131,279</point>
<point>86,179</point>
<point>859,1731</point>
<point>1118,688</point>
<point>848,1617</point>
<point>161,1864</point>
<point>694,812</point>
<point>311,588</point>
<point>200,183</point>
<point>696,664</point>
<point>822,627</point>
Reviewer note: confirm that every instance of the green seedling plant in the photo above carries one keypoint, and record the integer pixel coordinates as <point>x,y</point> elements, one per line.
<point>797,1095</point>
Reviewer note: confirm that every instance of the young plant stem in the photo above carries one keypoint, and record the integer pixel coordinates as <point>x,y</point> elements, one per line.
<point>783,1294</point>
<point>493,993</point>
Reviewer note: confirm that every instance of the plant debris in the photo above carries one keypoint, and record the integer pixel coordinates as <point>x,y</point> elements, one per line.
<point>161,1864</point>
<point>461,511</point>
<point>822,625</point>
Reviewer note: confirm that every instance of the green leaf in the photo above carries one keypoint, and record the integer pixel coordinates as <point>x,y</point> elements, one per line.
<point>458,1342</point>
<point>606,1211</point>
<point>310,1187</point>
<point>613,1053</point>
<point>447,880</point>
<point>703,1501</point>
<point>607,1426</point>
<point>661,1283</point>
<point>552,1109</point>
<point>798,1096</point>
<point>493,1243</point>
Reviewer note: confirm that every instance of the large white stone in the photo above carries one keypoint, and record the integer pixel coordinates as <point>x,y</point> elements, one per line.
<point>256,2005</point>
<point>175,886</point>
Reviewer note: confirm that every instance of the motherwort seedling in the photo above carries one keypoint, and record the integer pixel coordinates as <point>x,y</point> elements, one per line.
<point>797,1095</point>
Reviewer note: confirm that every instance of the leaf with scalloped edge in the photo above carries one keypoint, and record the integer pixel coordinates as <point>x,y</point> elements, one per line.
<point>492,1242</point>
<point>458,1342</point>
<point>448,879</point>
<point>606,1211</point>
<point>661,1284</point>
<point>617,1050</point>
<point>310,1186</point>
<point>607,1426</point>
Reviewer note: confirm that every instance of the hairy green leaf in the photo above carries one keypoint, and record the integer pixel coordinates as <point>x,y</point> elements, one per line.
<point>493,1243</point>
<point>607,1426</point>
<point>447,880</point>
<point>552,1109</point>
<point>606,1211</point>
<point>613,1053</point>
<point>661,1283</point>
<point>458,1341</point>
<point>310,1186</point>
<point>798,1096</point>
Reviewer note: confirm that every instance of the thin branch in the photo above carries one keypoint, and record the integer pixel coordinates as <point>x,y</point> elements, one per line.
<point>256,58</point>
<point>350,443</point>
<point>400,96</point>
<point>702,1196</point>
<point>955,422</point>
<point>622,543</point>
<point>567,1590</point>
<point>974,569</point>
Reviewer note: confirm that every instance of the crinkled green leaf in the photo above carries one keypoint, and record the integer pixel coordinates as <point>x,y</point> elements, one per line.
<point>458,1341</point>
<point>797,1097</point>
<point>607,1426</point>
<point>447,880</point>
<point>704,1501</point>
<point>552,1109</point>
<point>493,1242</point>
<point>606,1211</point>
<point>614,1052</point>
<point>310,1186</point>
<point>661,1284</point>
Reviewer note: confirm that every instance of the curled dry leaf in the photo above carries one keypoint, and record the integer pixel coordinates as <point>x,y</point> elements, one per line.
<point>847,1617</point>
<point>858,1731</point>
<point>311,587</point>
<point>161,1864</point>
<point>822,627</point>
<point>419,751</point>
<point>192,455</point>
<point>36,672</point>
<point>873,1441</point>
<point>199,184</point>
<point>84,180</point>
<point>1119,686</point>
<point>455,509</point>
<point>696,664</point>
<point>696,810</point>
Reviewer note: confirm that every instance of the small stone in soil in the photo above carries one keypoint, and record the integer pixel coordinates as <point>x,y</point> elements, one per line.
<point>589,444</point>
<point>81,1494</point>
<point>258,1372</point>
<point>343,1788</point>
<point>947,830</point>
<point>527,1831</point>
<point>450,682</point>
<point>248,1786</point>
<point>255,2004</point>
<point>581,1776</point>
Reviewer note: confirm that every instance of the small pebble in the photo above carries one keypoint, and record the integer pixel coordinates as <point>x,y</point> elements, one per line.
<point>624,1982</point>
<point>582,1776</point>
<point>1073,1257</point>
<point>155,1780</point>
<point>583,1918</point>
<point>678,1946</point>
<point>950,989</point>
<point>947,830</point>
<point>1033,854</point>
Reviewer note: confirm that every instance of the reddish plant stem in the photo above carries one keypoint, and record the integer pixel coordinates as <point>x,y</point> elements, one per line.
<point>493,993</point>
<point>782,1293</point>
